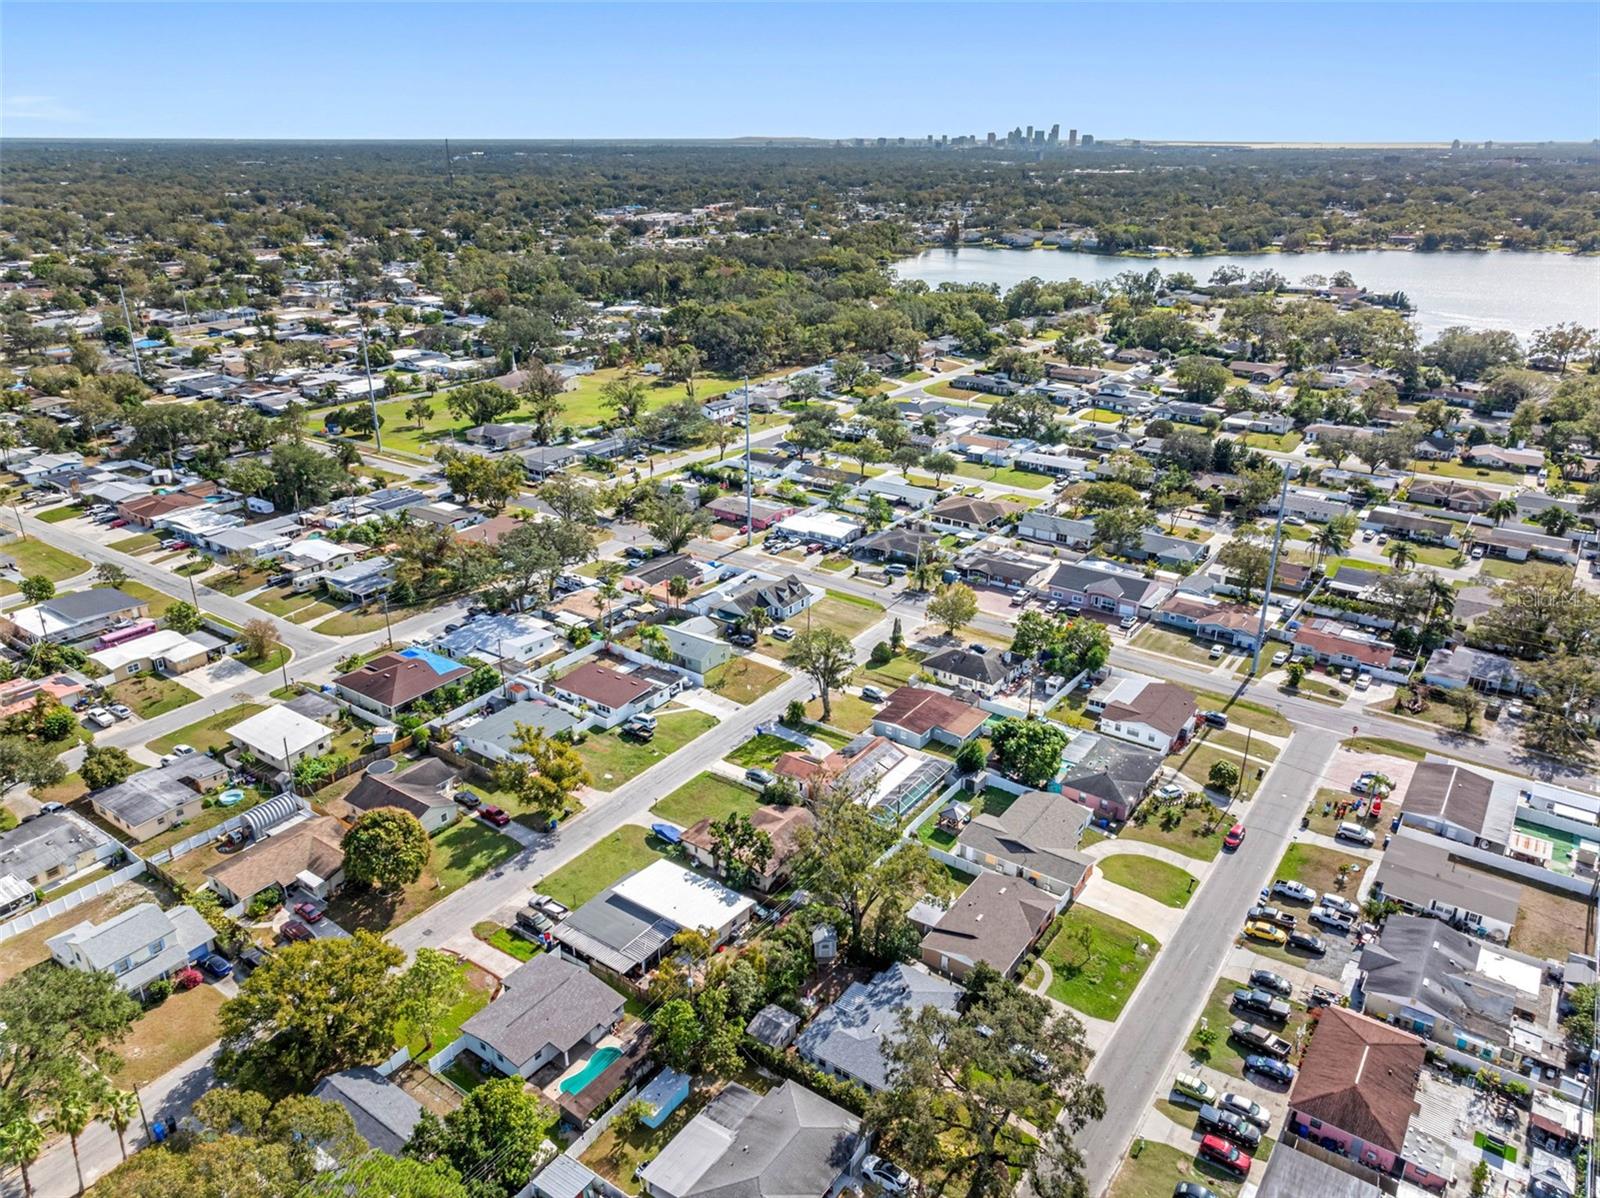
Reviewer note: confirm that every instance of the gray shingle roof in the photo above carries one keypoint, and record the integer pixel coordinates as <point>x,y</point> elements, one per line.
<point>384,1114</point>
<point>150,793</point>
<point>850,1036</point>
<point>76,606</point>
<point>46,843</point>
<point>547,1001</point>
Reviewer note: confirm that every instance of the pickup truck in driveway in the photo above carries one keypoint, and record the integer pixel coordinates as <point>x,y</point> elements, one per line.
<point>1235,1127</point>
<point>1259,1039</point>
<point>1262,1002</point>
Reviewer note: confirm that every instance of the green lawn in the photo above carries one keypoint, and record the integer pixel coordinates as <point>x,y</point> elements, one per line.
<point>352,623</point>
<point>1383,745</point>
<point>233,582</point>
<point>1187,836</point>
<point>165,1036</point>
<point>34,556</point>
<point>898,672</point>
<point>1172,644</point>
<point>1318,868</point>
<point>743,680</point>
<point>1260,748</point>
<point>1506,571</point>
<point>508,942</point>
<point>1282,442</point>
<point>1472,473</point>
<point>150,695</point>
<point>1100,416</point>
<point>760,750</point>
<point>479,986</point>
<point>613,758</point>
<point>1167,884</point>
<point>1245,713</point>
<point>135,544</point>
<point>1224,1054</point>
<point>1196,762</point>
<point>707,796</point>
<point>850,713</point>
<point>1097,977</point>
<point>625,851</point>
<point>206,734</point>
<point>1005,476</point>
<point>57,514</point>
<point>279,656</point>
<point>466,850</point>
<point>296,608</point>
<point>1157,1170</point>
<point>993,801</point>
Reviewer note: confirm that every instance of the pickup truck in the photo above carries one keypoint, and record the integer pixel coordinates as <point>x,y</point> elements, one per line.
<point>1259,1039</point>
<point>1262,1003</point>
<point>1235,1127</point>
<point>1269,914</point>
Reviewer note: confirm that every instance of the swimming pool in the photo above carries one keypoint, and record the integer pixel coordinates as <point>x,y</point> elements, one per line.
<point>597,1065</point>
<point>229,797</point>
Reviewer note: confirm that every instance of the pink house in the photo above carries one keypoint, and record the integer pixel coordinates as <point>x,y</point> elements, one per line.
<point>1356,1093</point>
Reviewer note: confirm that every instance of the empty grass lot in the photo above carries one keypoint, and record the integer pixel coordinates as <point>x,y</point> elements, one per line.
<point>743,680</point>
<point>1318,868</point>
<point>1505,571</point>
<point>897,672</point>
<point>150,695</point>
<point>761,750</point>
<point>1188,836</point>
<point>208,733</point>
<point>1471,473</point>
<point>167,1035</point>
<point>1167,884</point>
<point>1172,644</point>
<point>1159,1168</point>
<point>462,852</point>
<point>56,515</point>
<point>1195,763</point>
<point>625,851</point>
<point>135,544</point>
<point>706,797</point>
<point>850,713</point>
<point>1552,924</point>
<point>1096,973</point>
<point>1245,713</point>
<point>34,556</point>
<point>613,758</point>
<point>1382,745</point>
<point>297,609</point>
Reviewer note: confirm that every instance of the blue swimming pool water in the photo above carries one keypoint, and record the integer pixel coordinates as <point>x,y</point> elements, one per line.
<point>597,1065</point>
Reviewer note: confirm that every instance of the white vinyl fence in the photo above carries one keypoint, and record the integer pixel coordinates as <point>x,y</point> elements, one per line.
<point>47,911</point>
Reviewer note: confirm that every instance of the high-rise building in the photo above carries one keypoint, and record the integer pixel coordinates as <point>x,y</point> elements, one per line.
<point>1088,140</point>
<point>1055,134</point>
<point>1030,132</point>
<point>991,141</point>
<point>1072,139</point>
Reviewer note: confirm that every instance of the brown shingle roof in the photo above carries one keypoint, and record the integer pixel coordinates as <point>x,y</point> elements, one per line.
<point>600,684</point>
<point>1360,1076</point>
<point>490,531</point>
<point>394,680</point>
<point>315,845</point>
<point>994,920</point>
<point>1165,706</point>
<point>781,824</point>
<point>920,710</point>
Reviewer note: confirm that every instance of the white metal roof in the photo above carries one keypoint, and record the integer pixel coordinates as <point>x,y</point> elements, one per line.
<point>278,730</point>
<point>163,642</point>
<point>686,898</point>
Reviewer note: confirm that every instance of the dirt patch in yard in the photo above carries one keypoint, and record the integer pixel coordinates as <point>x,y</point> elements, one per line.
<point>1551,924</point>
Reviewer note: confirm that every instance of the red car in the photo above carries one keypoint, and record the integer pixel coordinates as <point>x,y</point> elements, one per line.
<point>295,930</point>
<point>1219,1152</point>
<point>1234,838</point>
<point>495,816</point>
<point>309,912</point>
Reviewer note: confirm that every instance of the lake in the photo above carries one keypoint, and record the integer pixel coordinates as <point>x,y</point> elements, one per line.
<point>1494,290</point>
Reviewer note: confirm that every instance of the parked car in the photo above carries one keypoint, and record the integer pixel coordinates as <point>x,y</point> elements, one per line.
<point>760,776</point>
<point>1245,1108</point>
<point>1265,932</point>
<point>1279,658</point>
<point>495,816</point>
<point>536,922</point>
<point>1259,1038</point>
<point>1265,979</point>
<point>873,694</point>
<point>217,965</point>
<point>1261,1002</point>
<point>1270,915</point>
<point>1269,1067</point>
<point>1331,920</point>
<point>121,710</point>
<point>99,717</point>
<point>1192,1086</point>
<point>1363,681</point>
<point>1170,790</point>
<point>1192,1189</point>
<point>1341,904</point>
<point>1127,622</point>
<point>1355,834</point>
<point>744,640</point>
<point>1229,1126</point>
<point>783,632</point>
<point>51,808</point>
<point>295,930</point>
<point>554,908</point>
<point>1225,1155</point>
<point>1216,652</point>
<point>309,912</point>
<point>1216,719</point>
<point>1321,997</point>
<point>1298,891</point>
<point>1307,942</point>
<point>1234,838</point>
<point>1372,783</point>
<point>888,1176</point>
<point>468,798</point>
<point>639,730</point>
<point>182,750</point>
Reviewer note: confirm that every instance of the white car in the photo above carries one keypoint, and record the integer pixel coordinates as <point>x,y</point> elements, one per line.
<point>183,750</point>
<point>99,717</point>
<point>783,632</point>
<point>1363,681</point>
<point>890,1177</point>
<point>1216,652</point>
<point>1340,904</point>
<point>1278,658</point>
<point>1170,791</point>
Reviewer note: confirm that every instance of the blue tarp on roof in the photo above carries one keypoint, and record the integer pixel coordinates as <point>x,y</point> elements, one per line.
<point>437,662</point>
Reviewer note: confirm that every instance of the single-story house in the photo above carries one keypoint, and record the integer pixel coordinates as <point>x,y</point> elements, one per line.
<point>1453,668</point>
<point>49,849</point>
<point>1455,803</point>
<point>697,644</point>
<point>781,825</point>
<point>1331,648</point>
<point>762,513</point>
<point>1040,525</point>
<point>1114,592</point>
<point>1518,545</point>
<point>1035,839</point>
<point>548,1010</point>
<point>848,1038</point>
<point>970,513</point>
<point>499,637</point>
<point>73,616</point>
<point>609,696</point>
<point>385,1115</point>
<point>308,854</point>
<point>1108,776</point>
<point>914,715</point>
<point>828,527</point>
<point>391,682</point>
<point>898,544</point>
<point>137,947</point>
<point>361,580</point>
<point>163,651</point>
<point>733,600</point>
<point>995,920</point>
<point>1420,872</point>
<point>157,800</point>
<point>1210,620</point>
<point>278,737</point>
<point>1501,457</point>
<point>1154,715</point>
<point>20,694</point>
<point>493,737</point>
<point>967,669</point>
<point>426,790</point>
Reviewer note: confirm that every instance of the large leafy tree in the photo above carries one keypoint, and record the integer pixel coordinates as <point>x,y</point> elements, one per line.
<point>62,1027</point>
<point>543,772</point>
<point>105,765</point>
<point>675,520</point>
<point>386,848</point>
<point>312,1009</point>
<point>844,860</point>
<point>1562,713</point>
<point>959,1097</point>
<point>480,403</point>
<point>1028,750</point>
<point>954,606</point>
<point>827,658</point>
<point>491,1137</point>
<point>434,983</point>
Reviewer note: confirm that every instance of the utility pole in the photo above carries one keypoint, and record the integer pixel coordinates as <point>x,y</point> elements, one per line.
<point>133,337</point>
<point>372,395</point>
<point>1272,569</point>
<point>749,474</point>
<point>388,632</point>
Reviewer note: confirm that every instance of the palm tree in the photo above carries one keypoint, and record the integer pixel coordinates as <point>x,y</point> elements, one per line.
<point>72,1116</point>
<point>609,591</point>
<point>1330,540</point>
<point>119,1108</point>
<point>1402,555</point>
<point>757,620</point>
<point>20,1142</point>
<point>677,589</point>
<point>1501,509</point>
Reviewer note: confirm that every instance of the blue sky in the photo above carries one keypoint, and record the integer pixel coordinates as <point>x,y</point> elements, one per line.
<point>1284,71</point>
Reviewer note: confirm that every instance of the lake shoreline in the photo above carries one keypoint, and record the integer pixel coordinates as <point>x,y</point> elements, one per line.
<point>1138,256</point>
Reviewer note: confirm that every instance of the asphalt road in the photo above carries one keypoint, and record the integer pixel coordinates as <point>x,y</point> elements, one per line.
<point>1132,1067</point>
